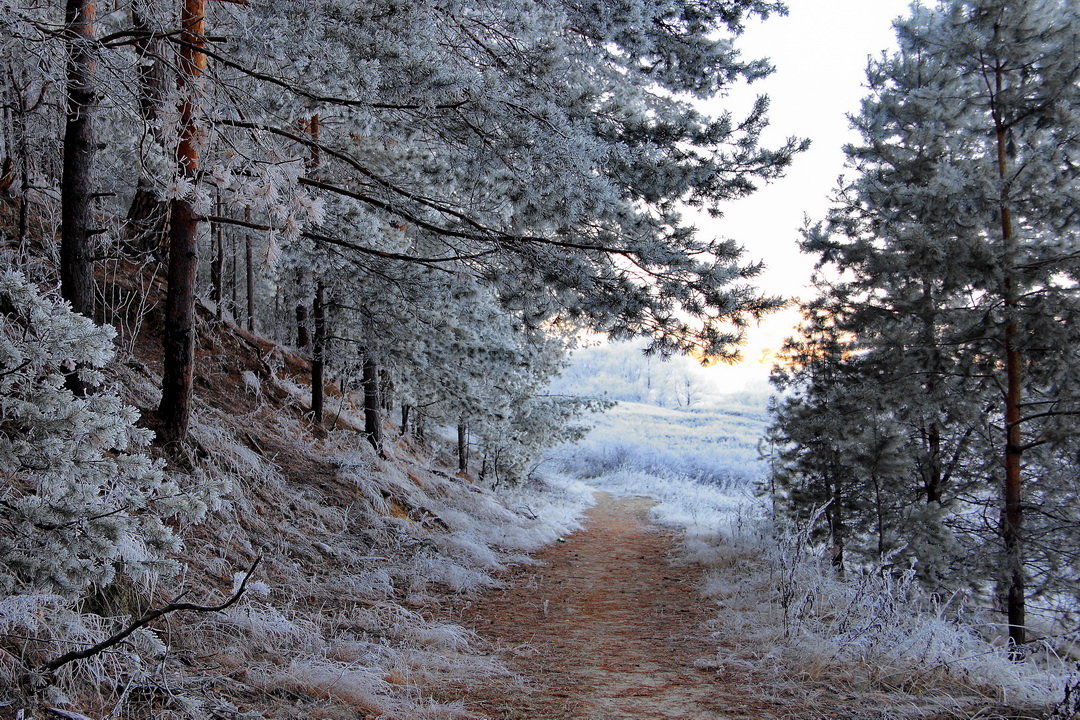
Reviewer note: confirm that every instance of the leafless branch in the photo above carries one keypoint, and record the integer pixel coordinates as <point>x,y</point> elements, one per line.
<point>148,617</point>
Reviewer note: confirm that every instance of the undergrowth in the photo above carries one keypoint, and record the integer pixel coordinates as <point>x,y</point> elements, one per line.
<point>342,619</point>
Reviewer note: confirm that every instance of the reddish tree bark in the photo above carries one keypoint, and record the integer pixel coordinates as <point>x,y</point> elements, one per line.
<point>179,331</point>
<point>1012,515</point>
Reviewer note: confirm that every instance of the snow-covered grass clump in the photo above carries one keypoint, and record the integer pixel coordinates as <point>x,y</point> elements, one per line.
<point>871,629</point>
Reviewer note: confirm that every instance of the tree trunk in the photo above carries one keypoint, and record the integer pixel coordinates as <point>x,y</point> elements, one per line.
<point>463,447</point>
<point>933,474</point>
<point>372,408</point>
<point>234,285</point>
<point>303,337</point>
<point>217,265</point>
<point>76,189</point>
<point>404,419</point>
<point>386,390</point>
<point>249,263</point>
<point>834,514</point>
<point>318,352</point>
<point>148,215</point>
<point>179,332</point>
<point>1012,510</point>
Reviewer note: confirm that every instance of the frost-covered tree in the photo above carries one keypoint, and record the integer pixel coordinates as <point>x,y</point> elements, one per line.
<point>518,145</point>
<point>957,240</point>
<point>80,501</point>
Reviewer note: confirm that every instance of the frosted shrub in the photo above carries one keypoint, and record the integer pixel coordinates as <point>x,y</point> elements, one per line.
<point>80,498</point>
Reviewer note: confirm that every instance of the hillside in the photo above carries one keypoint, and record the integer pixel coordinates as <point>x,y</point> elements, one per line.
<point>352,549</point>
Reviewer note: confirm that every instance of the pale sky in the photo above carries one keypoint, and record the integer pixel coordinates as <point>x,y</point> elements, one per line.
<point>820,51</point>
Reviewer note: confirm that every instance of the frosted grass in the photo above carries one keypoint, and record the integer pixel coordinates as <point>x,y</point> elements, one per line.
<point>778,598</point>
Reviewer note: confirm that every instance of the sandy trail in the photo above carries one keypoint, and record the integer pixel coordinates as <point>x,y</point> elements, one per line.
<point>606,627</point>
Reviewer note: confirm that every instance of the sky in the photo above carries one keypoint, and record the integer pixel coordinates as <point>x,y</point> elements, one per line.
<point>820,50</point>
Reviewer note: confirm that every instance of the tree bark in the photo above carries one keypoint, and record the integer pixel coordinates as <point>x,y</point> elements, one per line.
<point>318,352</point>
<point>1012,510</point>
<point>404,419</point>
<point>76,189</point>
<point>179,332</point>
<point>372,407</point>
<point>217,265</point>
<point>933,478</point>
<point>463,447</point>
<point>147,217</point>
<point>303,336</point>
<point>249,262</point>
<point>386,390</point>
<point>1012,515</point>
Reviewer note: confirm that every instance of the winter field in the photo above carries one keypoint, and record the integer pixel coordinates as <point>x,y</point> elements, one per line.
<point>873,634</point>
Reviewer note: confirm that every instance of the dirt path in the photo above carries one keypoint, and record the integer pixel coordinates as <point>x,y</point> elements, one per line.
<point>607,628</point>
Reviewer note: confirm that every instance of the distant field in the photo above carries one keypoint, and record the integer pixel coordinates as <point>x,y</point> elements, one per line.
<point>715,446</point>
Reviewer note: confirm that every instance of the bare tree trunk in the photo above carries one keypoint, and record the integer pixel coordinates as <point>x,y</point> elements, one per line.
<point>386,390</point>
<point>217,265</point>
<point>148,214</point>
<point>303,337</point>
<point>405,408</point>
<point>463,446</point>
<point>372,408</point>
<point>179,331</point>
<point>76,189</point>
<point>249,261</point>
<point>1012,512</point>
<point>318,352</point>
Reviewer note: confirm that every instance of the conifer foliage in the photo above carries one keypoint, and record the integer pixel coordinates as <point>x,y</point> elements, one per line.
<point>81,499</point>
<point>954,301</point>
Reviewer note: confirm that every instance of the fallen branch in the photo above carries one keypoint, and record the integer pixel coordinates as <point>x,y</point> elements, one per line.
<point>148,617</point>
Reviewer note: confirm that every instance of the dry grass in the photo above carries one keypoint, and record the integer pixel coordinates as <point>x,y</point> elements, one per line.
<point>357,553</point>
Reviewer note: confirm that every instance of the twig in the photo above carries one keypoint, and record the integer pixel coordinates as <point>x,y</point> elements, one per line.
<point>148,617</point>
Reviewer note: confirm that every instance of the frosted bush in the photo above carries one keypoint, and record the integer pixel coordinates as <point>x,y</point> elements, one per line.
<point>81,500</point>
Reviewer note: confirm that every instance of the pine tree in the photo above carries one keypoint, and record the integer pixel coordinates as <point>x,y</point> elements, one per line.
<point>82,499</point>
<point>957,239</point>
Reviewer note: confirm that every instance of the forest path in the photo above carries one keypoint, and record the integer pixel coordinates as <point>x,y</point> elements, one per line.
<point>608,627</point>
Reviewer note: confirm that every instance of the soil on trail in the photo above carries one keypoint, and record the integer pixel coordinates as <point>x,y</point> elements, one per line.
<point>607,627</point>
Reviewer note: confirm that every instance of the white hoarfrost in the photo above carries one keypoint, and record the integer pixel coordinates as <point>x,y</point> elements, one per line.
<point>81,500</point>
<point>779,602</point>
